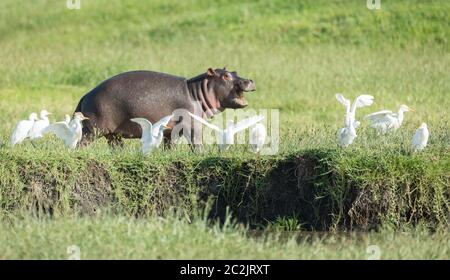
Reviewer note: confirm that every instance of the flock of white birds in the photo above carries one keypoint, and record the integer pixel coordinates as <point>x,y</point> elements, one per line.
<point>152,134</point>
<point>383,122</point>
<point>70,130</point>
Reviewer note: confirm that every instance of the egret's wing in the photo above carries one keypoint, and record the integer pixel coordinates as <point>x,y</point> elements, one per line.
<point>426,132</point>
<point>21,131</point>
<point>158,124</point>
<point>390,120</point>
<point>341,99</point>
<point>417,138</point>
<point>204,122</point>
<point>60,129</point>
<point>146,126</point>
<point>34,129</point>
<point>362,101</point>
<point>38,127</point>
<point>246,123</point>
<point>378,115</point>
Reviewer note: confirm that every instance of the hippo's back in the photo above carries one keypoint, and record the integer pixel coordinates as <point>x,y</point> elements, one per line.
<point>138,84</point>
<point>144,94</point>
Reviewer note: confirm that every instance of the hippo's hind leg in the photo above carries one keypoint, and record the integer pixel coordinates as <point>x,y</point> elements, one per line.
<point>90,132</point>
<point>167,145</point>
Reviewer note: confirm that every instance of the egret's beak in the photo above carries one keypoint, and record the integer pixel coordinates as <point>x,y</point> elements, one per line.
<point>411,109</point>
<point>165,126</point>
<point>86,118</point>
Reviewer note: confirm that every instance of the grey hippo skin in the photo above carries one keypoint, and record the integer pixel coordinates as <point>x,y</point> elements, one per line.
<point>153,95</point>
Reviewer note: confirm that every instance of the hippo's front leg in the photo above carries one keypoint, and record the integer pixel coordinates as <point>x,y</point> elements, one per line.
<point>115,141</point>
<point>194,138</point>
<point>185,127</point>
<point>197,145</point>
<point>197,139</point>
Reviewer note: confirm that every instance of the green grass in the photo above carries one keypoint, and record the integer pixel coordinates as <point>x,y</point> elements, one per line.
<point>322,189</point>
<point>299,53</point>
<point>177,238</point>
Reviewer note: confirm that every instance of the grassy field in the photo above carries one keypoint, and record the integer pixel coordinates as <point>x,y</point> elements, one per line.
<point>299,53</point>
<point>176,238</point>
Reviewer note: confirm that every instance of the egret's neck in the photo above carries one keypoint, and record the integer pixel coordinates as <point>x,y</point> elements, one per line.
<point>349,115</point>
<point>348,120</point>
<point>77,124</point>
<point>351,110</point>
<point>159,136</point>
<point>400,116</point>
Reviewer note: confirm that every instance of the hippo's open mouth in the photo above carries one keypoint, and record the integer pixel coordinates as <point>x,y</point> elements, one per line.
<point>240,100</point>
<point>237,99</point>
<point>246,87</point>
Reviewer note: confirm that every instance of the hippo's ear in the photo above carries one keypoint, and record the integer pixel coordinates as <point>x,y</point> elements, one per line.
<point>224,68</point>
<point>211,72</point>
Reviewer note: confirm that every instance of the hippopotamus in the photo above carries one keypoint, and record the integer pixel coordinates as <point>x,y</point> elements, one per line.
<point>154,95</point>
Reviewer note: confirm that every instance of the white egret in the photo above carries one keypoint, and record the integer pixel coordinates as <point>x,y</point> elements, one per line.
<point>347,134</point>
<point>386,121</point>
<point>350,109</point>
<point>152,135</point>
<point>39,125</point>
<point>70,134</point>
<point>22,129</point>
<point>258,135</point>
<point>420,138</point>
<point>225,137</point>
